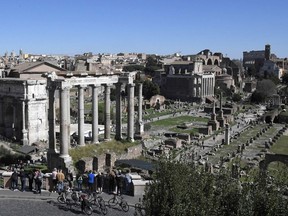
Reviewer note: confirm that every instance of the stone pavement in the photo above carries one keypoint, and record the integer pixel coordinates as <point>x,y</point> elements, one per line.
<point>46,195</point>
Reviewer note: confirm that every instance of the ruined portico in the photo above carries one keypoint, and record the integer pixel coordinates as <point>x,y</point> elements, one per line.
<point>64,85</point>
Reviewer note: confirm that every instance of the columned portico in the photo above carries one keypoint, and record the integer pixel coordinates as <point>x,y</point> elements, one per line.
<point>62,158</point>
<point>95,131</point>
<point>130,135</point>
<point>81,140</point>
<point>107,125</point>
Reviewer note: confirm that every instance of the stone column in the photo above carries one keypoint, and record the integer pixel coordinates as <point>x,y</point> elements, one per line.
<point>68,120</point>
<point>130,134</point>
<point>118,135</point>
<point>208,86</point>
<point>107,125</point>
<point>227,134</point>
<point>51,119</point>
<point>95,132</point>
<point>140,125</point>
<point>81,140</point>
<point>64,122</point>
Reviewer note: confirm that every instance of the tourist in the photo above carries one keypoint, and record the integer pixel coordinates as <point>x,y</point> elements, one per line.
<point>54,180</point>
<point>100,182</point>
<point>22,176</point>
<point>112,181</point>
<point>60,181</point>
<point>91,177</point>
<point>14,180</point>
<point>80,182</point>
<point>38,180</point>
<point>95,181</point>
<point>120,181</point>
<point>70,179</point>
<point>128,182</point>
<point>30,179</point>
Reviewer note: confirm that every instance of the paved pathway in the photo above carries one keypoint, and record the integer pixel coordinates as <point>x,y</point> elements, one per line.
<point>27,203</point>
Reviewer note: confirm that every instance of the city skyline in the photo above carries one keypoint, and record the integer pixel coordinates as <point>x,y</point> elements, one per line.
<point>160,27</point>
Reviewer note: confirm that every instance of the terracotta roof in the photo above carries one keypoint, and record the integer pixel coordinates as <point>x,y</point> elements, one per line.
<point>29,65</point>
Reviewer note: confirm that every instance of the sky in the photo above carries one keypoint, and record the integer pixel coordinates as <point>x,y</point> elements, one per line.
<point>148,26</point>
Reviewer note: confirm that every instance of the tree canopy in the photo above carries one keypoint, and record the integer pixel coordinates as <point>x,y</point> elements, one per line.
<point>182,189</point>
<point>265,88</point>
<point>150,89</point>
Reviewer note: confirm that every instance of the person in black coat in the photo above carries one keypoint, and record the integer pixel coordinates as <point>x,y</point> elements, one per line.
<point>14,180</point>
<point>22,176</point>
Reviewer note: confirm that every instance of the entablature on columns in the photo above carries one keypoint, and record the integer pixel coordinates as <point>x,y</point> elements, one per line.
<point>125,78</point>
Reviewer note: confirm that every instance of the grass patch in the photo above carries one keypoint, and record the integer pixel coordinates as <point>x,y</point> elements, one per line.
<point>117,147</point>
<point>154,114</point>
<point>178,120</point>
<point>188,130</point>
<point>281,146</point>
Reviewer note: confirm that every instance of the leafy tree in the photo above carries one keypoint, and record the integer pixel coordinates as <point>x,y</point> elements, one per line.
<point>180,188</point>
<point>265,88</point>
<point>152,64</point>
<point>150,89</point>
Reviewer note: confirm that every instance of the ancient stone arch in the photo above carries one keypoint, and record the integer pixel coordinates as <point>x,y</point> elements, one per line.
<point>269,157</point>
<point>209,62</point>
<point>216,62</point>
<point>9,121</point>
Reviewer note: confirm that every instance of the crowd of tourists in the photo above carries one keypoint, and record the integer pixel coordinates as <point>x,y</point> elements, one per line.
<point>35,180</point>
<point>114,181</point>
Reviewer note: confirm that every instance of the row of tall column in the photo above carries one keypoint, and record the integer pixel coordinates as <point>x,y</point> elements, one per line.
<point>65,115</point>
<point>207,86</point>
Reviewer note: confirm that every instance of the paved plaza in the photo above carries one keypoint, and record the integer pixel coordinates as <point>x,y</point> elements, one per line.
<point>27,203</point>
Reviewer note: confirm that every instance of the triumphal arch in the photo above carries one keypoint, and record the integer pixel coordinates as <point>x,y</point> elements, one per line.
<point>63,85</point>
